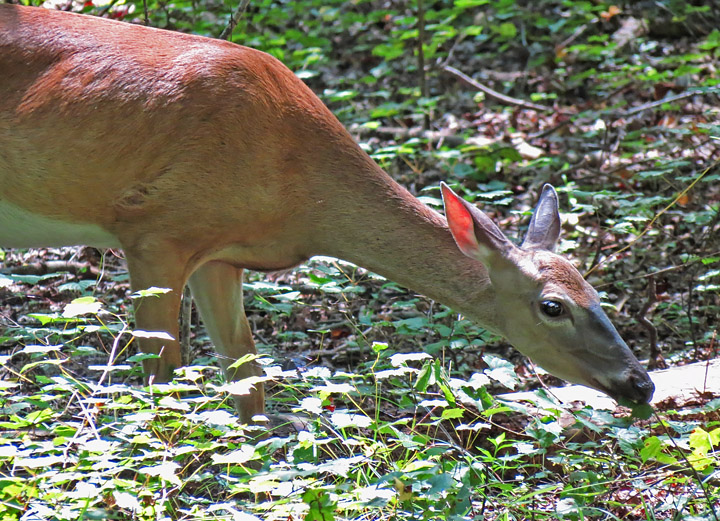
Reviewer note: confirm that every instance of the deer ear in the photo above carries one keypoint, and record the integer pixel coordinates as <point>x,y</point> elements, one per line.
<point>474,232</point>
<point>544,230</point>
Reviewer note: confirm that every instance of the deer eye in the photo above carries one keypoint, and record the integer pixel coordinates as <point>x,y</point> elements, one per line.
<point>552,308</point>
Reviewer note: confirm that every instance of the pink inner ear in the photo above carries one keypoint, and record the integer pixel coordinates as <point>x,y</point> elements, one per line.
<point>460,222</point>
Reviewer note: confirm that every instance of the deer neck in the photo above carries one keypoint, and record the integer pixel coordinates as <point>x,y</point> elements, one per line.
<point>375,223</point>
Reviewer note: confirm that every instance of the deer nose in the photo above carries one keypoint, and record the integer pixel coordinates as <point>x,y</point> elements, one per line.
<point>638,387</point>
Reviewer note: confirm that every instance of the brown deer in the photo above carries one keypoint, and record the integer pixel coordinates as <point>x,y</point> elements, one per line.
<point>201,158</point>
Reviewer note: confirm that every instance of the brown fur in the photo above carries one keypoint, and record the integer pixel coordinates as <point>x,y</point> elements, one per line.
<point>561,273</point>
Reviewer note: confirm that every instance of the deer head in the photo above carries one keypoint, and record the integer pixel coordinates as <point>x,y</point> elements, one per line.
<point>543,306</point>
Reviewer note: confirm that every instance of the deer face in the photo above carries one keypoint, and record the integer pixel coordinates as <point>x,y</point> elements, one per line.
<point>543,305</point>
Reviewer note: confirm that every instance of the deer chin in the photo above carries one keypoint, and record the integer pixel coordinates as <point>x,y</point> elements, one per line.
<point>637,388</point>
<point>629,384</point>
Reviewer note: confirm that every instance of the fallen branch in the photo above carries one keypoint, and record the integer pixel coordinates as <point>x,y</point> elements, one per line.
<point>502,98</point>
<point>658,272</point>
<point>677,97</point>
<point>53,266</point>
<point>407,132</point>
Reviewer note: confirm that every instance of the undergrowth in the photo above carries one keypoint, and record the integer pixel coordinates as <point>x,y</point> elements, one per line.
<point>399,438</point>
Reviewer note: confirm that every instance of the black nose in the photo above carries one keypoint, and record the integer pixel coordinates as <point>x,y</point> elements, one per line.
<point>642,387</point>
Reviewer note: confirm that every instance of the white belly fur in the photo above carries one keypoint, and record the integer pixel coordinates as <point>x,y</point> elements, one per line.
<point>22,229</point>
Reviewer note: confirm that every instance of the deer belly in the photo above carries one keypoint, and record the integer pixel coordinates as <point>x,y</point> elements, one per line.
<point>20,228</point>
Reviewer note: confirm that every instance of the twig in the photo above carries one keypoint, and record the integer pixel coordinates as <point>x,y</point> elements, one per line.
<point>111,356</point>
<point>549,130</point>
<point>89,420</point>
<point>656,359</point>
<point>185,319</point>
<point>405,132</point>
<point>689,313</point>
<point>234,19</point>
<point>421,58</point>
<point>677,97</point>
<point>342,349</point>
<point>494,94</point>
<point>105,10</point>
<point>440,62</point>
<point>598,250</point>
<point>712,355</point>
<point>52,266</point>
<point>574,36</point>
<point>658,272</point>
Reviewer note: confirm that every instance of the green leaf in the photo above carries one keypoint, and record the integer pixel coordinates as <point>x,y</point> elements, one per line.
<point>162,335</point>
<point>322,508</point>
<point>425,378</point>
<point>653,449</point>
<point>642,411</point>
<point>501,371</point>
<point>377,347</point>
<point>167,471</point>
<point>506,30</point>
<point>150,292</point>
<point>450,414</point>
<point>237,457</point>
<point>401,359</point>
<point>441,483</point>
<point>32,350</point>
<point>464,4</point>
<point>82,306</point>
<point>700,441</point>
<point>389,51</point>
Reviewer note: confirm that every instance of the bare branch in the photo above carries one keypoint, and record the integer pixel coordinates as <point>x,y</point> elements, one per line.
<point>227,32</point>
<point>502,98</point>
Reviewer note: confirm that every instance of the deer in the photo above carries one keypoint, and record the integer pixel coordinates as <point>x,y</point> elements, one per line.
<point>201,159</point>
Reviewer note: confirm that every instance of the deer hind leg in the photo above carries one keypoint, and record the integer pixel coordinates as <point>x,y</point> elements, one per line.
<point>158,312</point>
<point>217,290</point>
